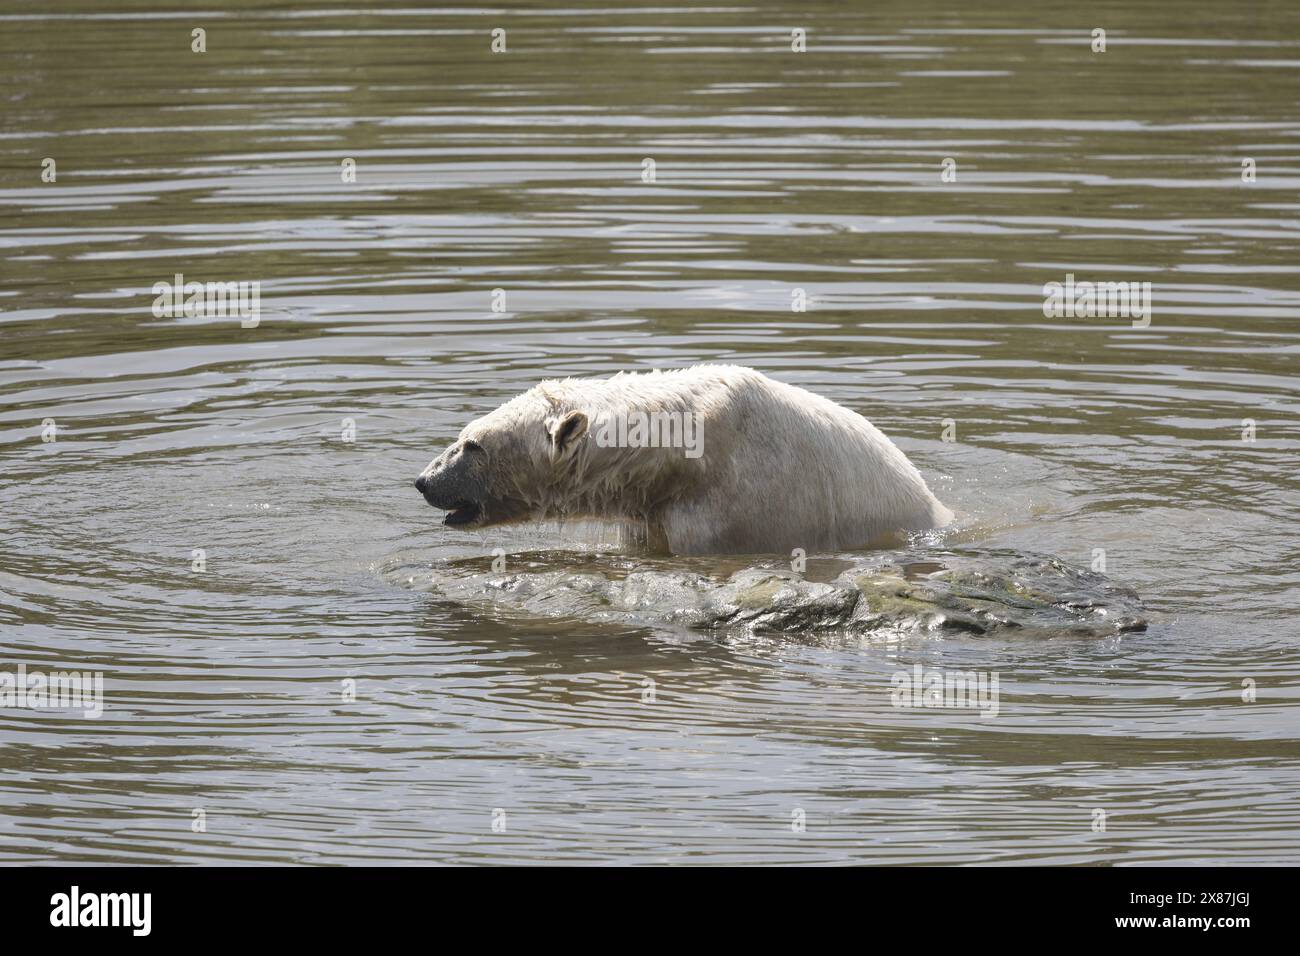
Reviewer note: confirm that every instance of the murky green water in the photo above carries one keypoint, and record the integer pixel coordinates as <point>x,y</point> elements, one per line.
<point>226,689</point>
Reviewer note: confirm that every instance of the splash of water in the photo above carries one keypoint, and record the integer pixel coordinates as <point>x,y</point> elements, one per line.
<point>971,592</point>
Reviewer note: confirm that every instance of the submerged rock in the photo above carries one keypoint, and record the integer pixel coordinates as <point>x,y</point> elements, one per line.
<point>966,592</point>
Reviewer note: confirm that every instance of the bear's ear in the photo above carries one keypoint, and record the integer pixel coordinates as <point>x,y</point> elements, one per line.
<point>565,433</point>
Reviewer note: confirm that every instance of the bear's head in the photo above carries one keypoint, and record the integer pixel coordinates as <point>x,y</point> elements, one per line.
<point>505,466</point>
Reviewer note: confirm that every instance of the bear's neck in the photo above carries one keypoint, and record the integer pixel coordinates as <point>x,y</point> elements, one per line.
<point>619,483</point>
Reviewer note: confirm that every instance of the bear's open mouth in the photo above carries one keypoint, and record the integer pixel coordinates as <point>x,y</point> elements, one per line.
<point>462,512</point>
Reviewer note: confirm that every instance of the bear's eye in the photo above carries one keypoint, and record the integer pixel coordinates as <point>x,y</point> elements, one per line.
<point>471,445</point>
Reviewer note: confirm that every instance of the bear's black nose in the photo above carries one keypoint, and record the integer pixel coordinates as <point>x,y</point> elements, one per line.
<point>419,484</point>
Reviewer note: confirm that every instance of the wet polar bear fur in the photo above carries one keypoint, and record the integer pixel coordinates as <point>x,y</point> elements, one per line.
<point>776,467</point>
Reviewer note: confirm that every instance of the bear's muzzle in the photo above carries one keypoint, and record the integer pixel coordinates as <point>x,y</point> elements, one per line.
<point>449,484</point>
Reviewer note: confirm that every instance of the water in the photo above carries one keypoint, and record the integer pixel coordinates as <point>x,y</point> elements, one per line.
<point>226,689</point>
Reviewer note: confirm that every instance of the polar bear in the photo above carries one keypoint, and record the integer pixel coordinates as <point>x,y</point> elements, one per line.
<point>713,459</point>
